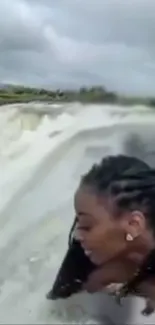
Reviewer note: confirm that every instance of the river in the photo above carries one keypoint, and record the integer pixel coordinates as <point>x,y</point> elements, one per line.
<point>43,151</point>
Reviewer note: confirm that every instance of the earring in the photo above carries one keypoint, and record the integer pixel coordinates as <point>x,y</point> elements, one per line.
<point>129,237</point>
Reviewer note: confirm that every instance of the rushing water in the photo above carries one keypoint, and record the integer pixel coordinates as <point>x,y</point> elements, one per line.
<point>43,151</point>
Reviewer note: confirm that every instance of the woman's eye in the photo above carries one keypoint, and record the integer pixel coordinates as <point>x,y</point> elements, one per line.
<point>84,228</point>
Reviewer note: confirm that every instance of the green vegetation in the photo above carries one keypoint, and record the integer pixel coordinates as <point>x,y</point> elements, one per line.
<point>14,94</point>
<point>19,94</point>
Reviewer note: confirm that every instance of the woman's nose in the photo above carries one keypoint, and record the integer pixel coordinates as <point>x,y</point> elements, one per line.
<point>78,235</point>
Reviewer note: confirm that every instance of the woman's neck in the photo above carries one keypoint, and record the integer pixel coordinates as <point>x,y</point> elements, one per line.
<point>139,250</point>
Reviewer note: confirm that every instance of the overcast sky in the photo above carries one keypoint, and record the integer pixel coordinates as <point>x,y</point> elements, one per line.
<point>70,43</point>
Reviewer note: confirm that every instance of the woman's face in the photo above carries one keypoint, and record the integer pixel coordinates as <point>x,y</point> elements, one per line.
<point>102,236</point>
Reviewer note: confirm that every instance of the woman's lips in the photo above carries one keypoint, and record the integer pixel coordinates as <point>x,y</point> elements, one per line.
<point>80,239</point>
<point>92,257</point>
<point>87,252</point>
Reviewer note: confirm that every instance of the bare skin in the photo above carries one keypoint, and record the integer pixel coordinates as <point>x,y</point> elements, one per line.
<point>111,278</point>
<point>103,236</point>
<point>113,272</point>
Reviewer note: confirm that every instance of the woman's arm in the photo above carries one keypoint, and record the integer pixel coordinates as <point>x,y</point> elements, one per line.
<point>111,272</point>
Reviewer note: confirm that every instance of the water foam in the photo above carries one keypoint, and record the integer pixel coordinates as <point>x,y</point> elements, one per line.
<point>41,158</point>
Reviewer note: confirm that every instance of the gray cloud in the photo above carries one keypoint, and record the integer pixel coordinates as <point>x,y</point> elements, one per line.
<point>66,43</point>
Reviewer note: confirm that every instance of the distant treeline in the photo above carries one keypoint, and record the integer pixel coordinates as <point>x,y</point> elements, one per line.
<point>96,94</point>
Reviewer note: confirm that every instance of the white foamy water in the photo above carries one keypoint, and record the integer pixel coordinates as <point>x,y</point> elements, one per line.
<point>43,151</point>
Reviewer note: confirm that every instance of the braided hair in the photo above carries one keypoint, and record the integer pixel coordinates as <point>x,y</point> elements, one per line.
<point>129,181</point>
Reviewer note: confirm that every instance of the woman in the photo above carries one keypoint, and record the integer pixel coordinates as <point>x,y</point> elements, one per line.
<point>115,225</point>
<point>115,211</point>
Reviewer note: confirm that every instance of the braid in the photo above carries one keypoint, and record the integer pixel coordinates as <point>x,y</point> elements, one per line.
<point>128,180</point>
<point>113,169</point>
<point>131,184</point>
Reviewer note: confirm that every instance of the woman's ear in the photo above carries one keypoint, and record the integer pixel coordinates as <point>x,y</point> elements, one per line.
<point>136,224</point>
